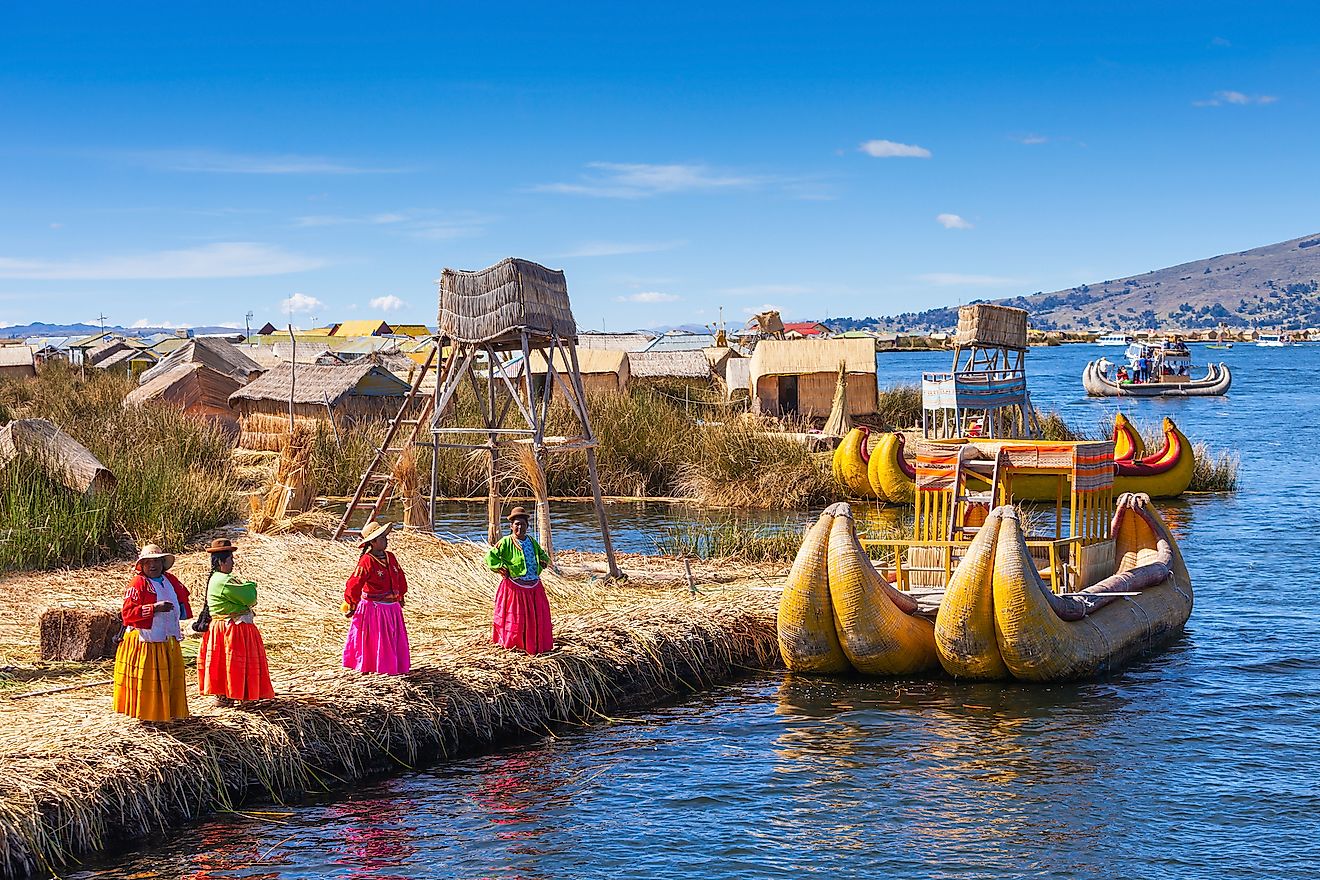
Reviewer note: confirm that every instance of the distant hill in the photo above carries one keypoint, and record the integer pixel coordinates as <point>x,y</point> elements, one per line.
<point>22,331</point>
<point>1277,285</point>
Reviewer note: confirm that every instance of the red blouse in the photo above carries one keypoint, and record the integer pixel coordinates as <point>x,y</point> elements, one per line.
<point>141,596</point>
<point>376,580</point>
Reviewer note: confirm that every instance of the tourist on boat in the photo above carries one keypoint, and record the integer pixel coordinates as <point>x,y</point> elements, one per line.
<point>522,611</point>
<point>373,600</point>
<point>231,664</point>
<point>1122,375</point>
<point>1105,365</point>
<point>1143,369</point>
<point>150,683</point>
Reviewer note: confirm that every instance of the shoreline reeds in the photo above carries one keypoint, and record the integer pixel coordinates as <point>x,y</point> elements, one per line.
<point>80,778</point>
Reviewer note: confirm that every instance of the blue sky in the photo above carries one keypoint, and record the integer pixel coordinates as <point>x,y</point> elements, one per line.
<point>175,163</point>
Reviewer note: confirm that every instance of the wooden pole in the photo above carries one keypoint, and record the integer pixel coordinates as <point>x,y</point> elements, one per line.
<point>293,376</point>
<point>493,505</point>
<point>592,473</point>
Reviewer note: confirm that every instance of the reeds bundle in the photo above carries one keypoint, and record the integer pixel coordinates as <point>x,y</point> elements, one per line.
<point>840,422</point>
<point>407,485</point>
<point>291,491</point>
<point>265,432</point>
<point>525,456</point>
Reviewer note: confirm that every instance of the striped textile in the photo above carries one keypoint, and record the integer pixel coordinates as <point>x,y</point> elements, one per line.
<point>936,470</point>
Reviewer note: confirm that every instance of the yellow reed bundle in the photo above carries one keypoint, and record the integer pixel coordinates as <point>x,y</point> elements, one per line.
<point>290,492</point>
<point>525,457</point>
<point>407,484</point>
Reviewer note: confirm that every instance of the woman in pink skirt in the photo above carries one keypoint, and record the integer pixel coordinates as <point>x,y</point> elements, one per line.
<point>522,612</point>
<point>373,600</point>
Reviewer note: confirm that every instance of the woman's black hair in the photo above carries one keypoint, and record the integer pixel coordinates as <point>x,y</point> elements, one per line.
<point>218,558</point>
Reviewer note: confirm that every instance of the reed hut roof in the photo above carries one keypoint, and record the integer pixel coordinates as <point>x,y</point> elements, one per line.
<point>16,355</point>
<point>215,354</point>
<point>366,327</point>
<point>801,357</point>
<point>669,365</point>
<point>125,356</point>
<point>187,385</point>
<point>103,350</point>
<point>497,303</point>
<point>315,384</point>
<point>616,341</point>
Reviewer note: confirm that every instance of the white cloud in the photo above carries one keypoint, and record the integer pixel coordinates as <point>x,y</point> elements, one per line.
<point>952,221</point>
<point>233,259</point>
<point>619,180</point>
<point>1219,41</point>
<point>894,150</point>
<point>215,162</point>
<point>389,303</point>
<point>948,279</point>
<point>337,220</point>
<point>615,248</point>
<point>1236,98</point>
<point>1032,139</point>
<point>301,302</point>
<point>647,296</point>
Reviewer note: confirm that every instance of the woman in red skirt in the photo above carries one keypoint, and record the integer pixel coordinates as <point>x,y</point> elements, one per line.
<point>522,612</point>
<point>231,664</point>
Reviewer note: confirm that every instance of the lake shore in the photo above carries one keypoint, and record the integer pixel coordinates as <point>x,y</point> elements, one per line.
<point>82,779</point>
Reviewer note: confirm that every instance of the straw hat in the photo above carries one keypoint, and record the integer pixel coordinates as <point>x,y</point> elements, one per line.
<point>222,545</point>
<point>373,530</point>
<point>154,551</point>
<point>518,512</point>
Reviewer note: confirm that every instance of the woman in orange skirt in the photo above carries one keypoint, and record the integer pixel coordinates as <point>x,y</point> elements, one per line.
<point>231,664</point>
<point>150,682</point>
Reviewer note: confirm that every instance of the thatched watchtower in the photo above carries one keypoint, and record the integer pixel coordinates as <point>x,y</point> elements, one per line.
<point>985,394</point>
<point>488,318</point>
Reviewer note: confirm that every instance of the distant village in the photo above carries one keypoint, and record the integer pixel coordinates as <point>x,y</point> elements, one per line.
<point>364,367</point>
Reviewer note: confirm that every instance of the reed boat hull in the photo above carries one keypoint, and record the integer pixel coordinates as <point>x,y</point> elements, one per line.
<point>1216,383</point>
<point>1012,630</point>
<point>892,478</point>
<point>1164,474</point>
<point>837,613</point>
<point>850,461</point>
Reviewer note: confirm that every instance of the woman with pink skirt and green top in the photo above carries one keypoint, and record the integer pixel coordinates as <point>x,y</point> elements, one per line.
<point>522,611</point>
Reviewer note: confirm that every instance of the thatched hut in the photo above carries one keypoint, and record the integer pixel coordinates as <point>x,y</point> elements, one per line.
<point>342,394</point>
<point>798,377</point>
<point>17,362</point>
<point>211,352</point>
<point>196,389</point>
<point>737,378</point>
<point>604,371</point>
<point>670,370</point>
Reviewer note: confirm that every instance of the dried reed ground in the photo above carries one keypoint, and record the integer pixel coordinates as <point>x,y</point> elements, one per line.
<point>79,778</point>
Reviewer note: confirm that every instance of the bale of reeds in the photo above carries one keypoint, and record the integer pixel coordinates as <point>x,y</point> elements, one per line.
<point>525,457</point>
<point>291,491</point>
<point>265,432</point>
<point>78,634</point>
<point>839,423</point>
<point>407,486</point>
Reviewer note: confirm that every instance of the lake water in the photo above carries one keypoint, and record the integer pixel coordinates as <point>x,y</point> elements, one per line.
<point>1199,762</point>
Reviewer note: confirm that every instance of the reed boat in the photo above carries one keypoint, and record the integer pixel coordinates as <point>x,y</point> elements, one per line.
<point>838,613</point>
<point>1216,382</point>
<point>891,477</point>
<point>1164,474</point>
<point>850,462</point>
<point>1001,619</point>
<point>1106,583</point>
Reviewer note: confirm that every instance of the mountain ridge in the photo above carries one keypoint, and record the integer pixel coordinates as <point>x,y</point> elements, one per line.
<point>1275,285</point>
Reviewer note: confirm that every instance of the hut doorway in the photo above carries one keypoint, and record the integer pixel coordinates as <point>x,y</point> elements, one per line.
<point>788,395</point>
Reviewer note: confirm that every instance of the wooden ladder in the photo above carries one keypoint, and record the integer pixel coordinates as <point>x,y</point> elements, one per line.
<point>963,497</point>
<point>399,437</point>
